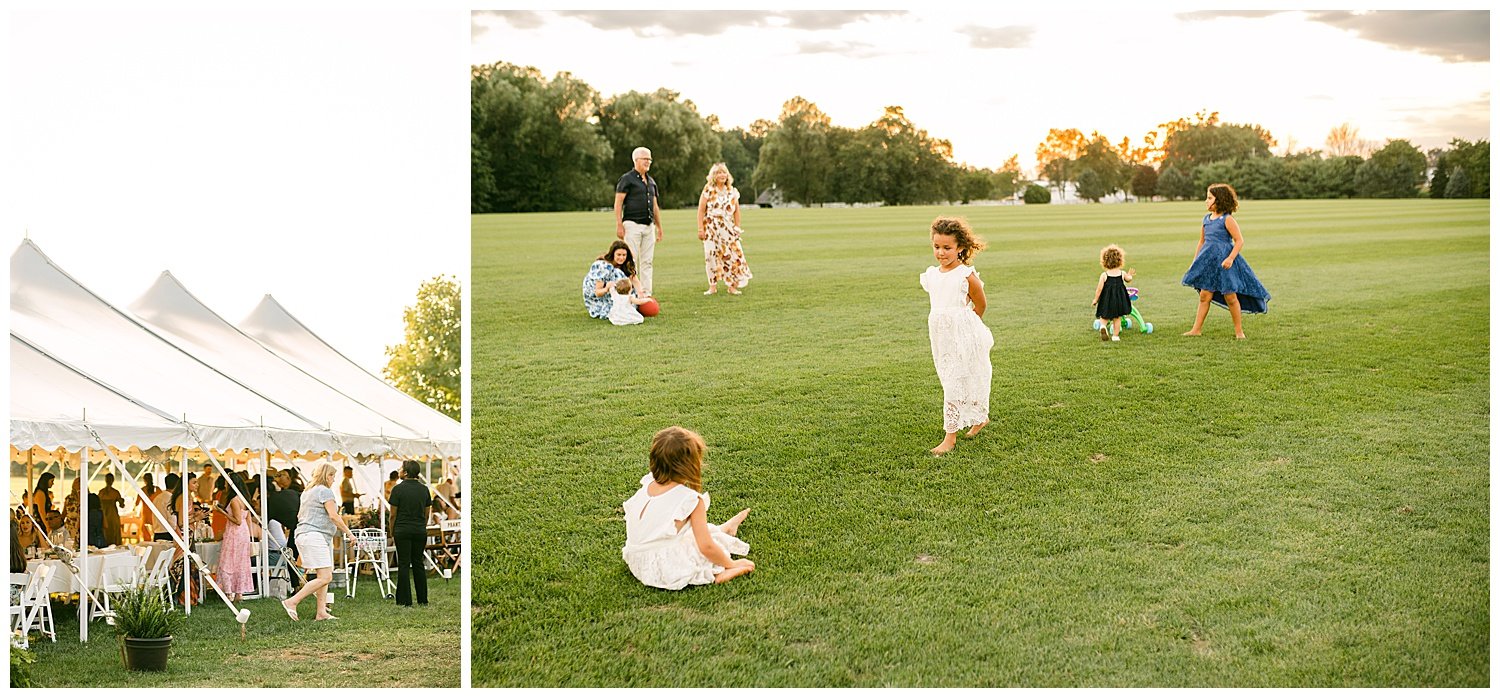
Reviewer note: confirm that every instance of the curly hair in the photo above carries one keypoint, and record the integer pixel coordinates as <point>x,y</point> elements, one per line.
<point>1112,257</point>
<point>609,256</point>
<point>677,456</point>
<point>968,243</point>
<point>1225,200</point>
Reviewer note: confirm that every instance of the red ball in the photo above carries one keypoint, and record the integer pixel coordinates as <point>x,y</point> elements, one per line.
<point>650,308</point>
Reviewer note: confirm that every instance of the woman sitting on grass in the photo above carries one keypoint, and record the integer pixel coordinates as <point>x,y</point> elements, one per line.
<point>669,542</point>
<point>616,263</point>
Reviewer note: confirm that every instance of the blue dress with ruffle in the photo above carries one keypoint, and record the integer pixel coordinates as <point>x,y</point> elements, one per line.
<point>1207,272</point>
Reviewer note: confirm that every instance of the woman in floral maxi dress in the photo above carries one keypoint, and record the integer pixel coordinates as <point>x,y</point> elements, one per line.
<point>719,229</point>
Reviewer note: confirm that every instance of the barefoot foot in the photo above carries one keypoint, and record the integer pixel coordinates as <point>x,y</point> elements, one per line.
<point>1240,336</point>
<point>1191,333</point>
<point>732,526</point>
<point>946,446</point>
<point>974,430</point>
<point>733,572</point>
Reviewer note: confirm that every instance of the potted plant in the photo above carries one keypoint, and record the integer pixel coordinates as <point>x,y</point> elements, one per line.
<point>144,623</point>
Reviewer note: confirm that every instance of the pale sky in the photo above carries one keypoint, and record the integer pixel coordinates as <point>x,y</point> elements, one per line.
<point>319,156</point>
<point>994,79</point>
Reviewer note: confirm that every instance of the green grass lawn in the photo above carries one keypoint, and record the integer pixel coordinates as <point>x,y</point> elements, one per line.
<point>373,643</point>
<point>1308,507</point>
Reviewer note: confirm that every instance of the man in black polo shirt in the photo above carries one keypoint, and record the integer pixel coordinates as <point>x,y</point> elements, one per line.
<point>638,215</point>
<point>410,502</point>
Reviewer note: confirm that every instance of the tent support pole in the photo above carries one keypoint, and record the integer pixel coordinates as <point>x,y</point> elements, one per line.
<point>83,541</point>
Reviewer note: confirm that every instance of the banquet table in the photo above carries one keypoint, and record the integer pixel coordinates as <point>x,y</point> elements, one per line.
<point>63,581</point>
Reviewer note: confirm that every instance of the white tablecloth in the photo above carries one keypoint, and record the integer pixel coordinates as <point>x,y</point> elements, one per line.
<point>63,581</point>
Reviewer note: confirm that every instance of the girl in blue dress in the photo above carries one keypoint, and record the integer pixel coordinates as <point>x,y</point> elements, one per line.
<point>1218,272</point>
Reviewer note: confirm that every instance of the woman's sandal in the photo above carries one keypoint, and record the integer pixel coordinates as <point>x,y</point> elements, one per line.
<point>291,612</point>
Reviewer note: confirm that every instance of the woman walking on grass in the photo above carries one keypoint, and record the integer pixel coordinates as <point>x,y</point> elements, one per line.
<point>719,229</point>
<point>317,520</point>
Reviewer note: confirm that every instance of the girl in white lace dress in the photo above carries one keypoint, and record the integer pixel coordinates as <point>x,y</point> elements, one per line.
<point>669,542</point>
<point>960,340</point>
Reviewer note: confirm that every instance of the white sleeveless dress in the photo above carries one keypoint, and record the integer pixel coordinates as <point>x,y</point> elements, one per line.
<point>961,344</point>
<point>662,555</point>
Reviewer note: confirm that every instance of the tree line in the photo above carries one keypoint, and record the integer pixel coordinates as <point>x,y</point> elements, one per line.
<point>557,145</point>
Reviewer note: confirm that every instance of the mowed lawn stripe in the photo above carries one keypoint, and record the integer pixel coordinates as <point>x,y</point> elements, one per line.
<point>1308,507</point>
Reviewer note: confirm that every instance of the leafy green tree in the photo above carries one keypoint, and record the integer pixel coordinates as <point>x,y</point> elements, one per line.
<point>1143,182</point>
<point>1396,171</point>
<point>975,184</point>
<point>1212,173</point>
<point>1057,155</point>
<point>1036,194</point>
<point>916,168</point>
<point>1108,170</point>
<point>1334,177</point>
<point>1202,143</point>
<point>484,193</point>
<point>1175,184</point>
<point>1008,180</point>
<point>1458,186</point>
<point>427,366</point>
<point>796,156</point>
<point>1261,178</point>
<point>735,148</point>
<point>683,144</point>
<point>1091,186</point>
<point>1475,159</point>
<point>532,145</point>
<point>1438,187</point>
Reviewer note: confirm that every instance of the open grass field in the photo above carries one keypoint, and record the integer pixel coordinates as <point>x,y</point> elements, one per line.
<point>373,643</point>
<point>1307,507</point>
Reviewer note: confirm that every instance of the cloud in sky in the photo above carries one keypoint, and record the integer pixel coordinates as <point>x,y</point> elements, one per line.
<point>849,49</point>
<point>1206,15</point>
<point>832,19</point>
<point>659,23</point>
<point>1456,36</point>
<point>998,37</point>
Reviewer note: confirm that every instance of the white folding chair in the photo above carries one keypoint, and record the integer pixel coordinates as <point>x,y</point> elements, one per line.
<point>36,607</point>
<point>369,549</point>
<point>18,583</point>
<point>119,573</point>
<point>159,576</point>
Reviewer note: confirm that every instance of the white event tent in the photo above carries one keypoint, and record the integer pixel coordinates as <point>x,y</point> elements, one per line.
<point>91,378</point>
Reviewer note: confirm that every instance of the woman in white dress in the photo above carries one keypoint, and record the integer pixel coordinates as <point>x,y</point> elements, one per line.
<point>669,543</point>
<point>961,342</point>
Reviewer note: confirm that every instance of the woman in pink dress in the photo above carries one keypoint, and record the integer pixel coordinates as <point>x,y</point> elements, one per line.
<point>234,550</point>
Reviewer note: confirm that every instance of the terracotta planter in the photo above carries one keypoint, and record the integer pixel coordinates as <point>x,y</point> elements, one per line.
<point>147,654</point>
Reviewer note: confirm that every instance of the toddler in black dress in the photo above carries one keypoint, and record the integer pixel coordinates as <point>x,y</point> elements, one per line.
<point>1111,299</point>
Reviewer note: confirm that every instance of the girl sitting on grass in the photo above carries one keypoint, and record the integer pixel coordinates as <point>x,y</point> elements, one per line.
<point>669,542</point>
<point>960,340</point>
<point>1111,299</point>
